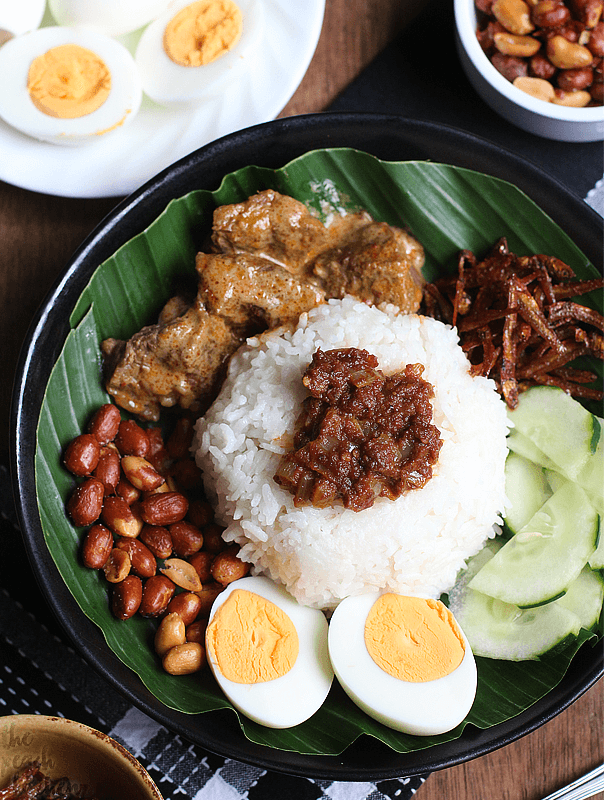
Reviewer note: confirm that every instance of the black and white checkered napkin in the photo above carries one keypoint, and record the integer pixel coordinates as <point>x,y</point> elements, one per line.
<point>40,673</point>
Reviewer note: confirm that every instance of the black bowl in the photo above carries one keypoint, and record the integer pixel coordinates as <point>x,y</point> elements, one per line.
<point>272,145</point>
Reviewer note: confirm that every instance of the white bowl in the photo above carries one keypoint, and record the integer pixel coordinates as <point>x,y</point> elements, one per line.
<point>533,115</point>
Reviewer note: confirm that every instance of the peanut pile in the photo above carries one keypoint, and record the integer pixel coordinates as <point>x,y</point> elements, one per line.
<point>549,49</point>
<point>150,530</point>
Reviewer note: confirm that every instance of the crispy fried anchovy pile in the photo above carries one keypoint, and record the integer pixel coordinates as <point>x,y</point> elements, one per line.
<point>31,784</point>
<point>517,322</point>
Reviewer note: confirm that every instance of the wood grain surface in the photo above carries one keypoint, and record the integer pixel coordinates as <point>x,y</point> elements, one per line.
<point>38,233</point>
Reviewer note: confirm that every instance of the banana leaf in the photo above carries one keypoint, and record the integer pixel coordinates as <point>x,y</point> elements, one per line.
<point>447,209</point>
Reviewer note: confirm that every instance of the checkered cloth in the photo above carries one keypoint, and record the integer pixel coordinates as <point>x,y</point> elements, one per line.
<point>40,673</point>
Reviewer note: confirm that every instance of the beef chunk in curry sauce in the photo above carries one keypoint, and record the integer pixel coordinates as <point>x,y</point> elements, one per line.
<point>271,260</point>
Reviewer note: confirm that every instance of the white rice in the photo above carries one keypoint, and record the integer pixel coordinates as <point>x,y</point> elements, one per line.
<point>414,545</point>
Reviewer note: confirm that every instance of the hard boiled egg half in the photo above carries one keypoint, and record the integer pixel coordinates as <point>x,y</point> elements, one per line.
<point>19,17</point>
<point>404,661</point>
<point>268,653</point>
<point>112,17</point>
<point>195,47</point>
<point>67,85</point>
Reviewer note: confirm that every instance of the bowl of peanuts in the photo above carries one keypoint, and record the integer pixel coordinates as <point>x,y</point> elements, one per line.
<point>537,63</point>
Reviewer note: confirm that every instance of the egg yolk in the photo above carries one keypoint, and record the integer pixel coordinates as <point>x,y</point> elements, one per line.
<point>413,639</point>
<point>251,639</point>
<point>202,32</point>
<point>68,81</point>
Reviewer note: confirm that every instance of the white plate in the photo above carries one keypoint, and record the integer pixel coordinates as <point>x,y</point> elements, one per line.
<point>159,136</point>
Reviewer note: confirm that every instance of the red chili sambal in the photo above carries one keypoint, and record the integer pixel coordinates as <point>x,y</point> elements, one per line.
<point>361,434</point>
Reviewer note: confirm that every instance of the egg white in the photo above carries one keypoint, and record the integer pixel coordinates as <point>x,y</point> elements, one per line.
<point>421,709</point>
<point>168,83</point>
<point>19,17</point>
<point>295,696</point>
<point>18,110</point>
<point>112,17</point>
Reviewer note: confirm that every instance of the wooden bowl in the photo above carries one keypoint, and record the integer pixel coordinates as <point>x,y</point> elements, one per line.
<point>95,763</point>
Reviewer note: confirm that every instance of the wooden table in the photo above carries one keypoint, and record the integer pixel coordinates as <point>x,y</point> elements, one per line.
<point>38,233</point>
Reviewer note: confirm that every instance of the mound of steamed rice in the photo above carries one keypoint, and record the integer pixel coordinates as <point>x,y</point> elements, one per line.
<point>414,545</point>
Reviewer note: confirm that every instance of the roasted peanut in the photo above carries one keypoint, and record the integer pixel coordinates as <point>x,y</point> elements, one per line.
<point>567,55</point>
<point>179,441</point>
<point>514,15</point>
<point>571,80</point>
<point>182,573</point>
<point>171,632</point>
<point>202,561</point>
<point>97,546</point>
<point>157,593</point>
<point>512,45</point>
<point>186,605</point>
<point>187,539</point>
<point>207,595</point>
<point>212,538</point>
<point>573,31</point>
<point>550,14</point>
<point>126,597</point>
<point>86,502</point>
<point>541,67</point>
<point>129,493</point>
<point>227,568</point>
<point>167,486</point>
<point>156,441</point>
<point>587,11</point>
<point>595,43</point>
<point>157,540</point>
<point>485,36</point>
<point>200,513</point>
<point>82,455</point>
<point>141,474</point>
<point>131,439</point>
<point>578,99</point>
<point>597,92</point>
<point>536,87</point>
<point>142,559</point>
<point>509,66</point>
<point>164,508</point>
<point>161,461</point>
<point>184,659</point>
<point>196,631</point>
<point>118,565</point>
<point>118,516</point>
<point>105,423</point>
<point>108,469</point>
<point>186,474</point>
<point>158,456</point>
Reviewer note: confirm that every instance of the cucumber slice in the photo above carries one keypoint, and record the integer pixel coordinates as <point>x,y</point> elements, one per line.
<point>519,443</point>
<point>584,597</point>
<point>596,560</point>
<point>591,476</point>
<point>554,479</point>
<point>546,555</point>
<point>501,630</point>
<point>477,562</point>
<point>559,426</point>
<point>526,489</point>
